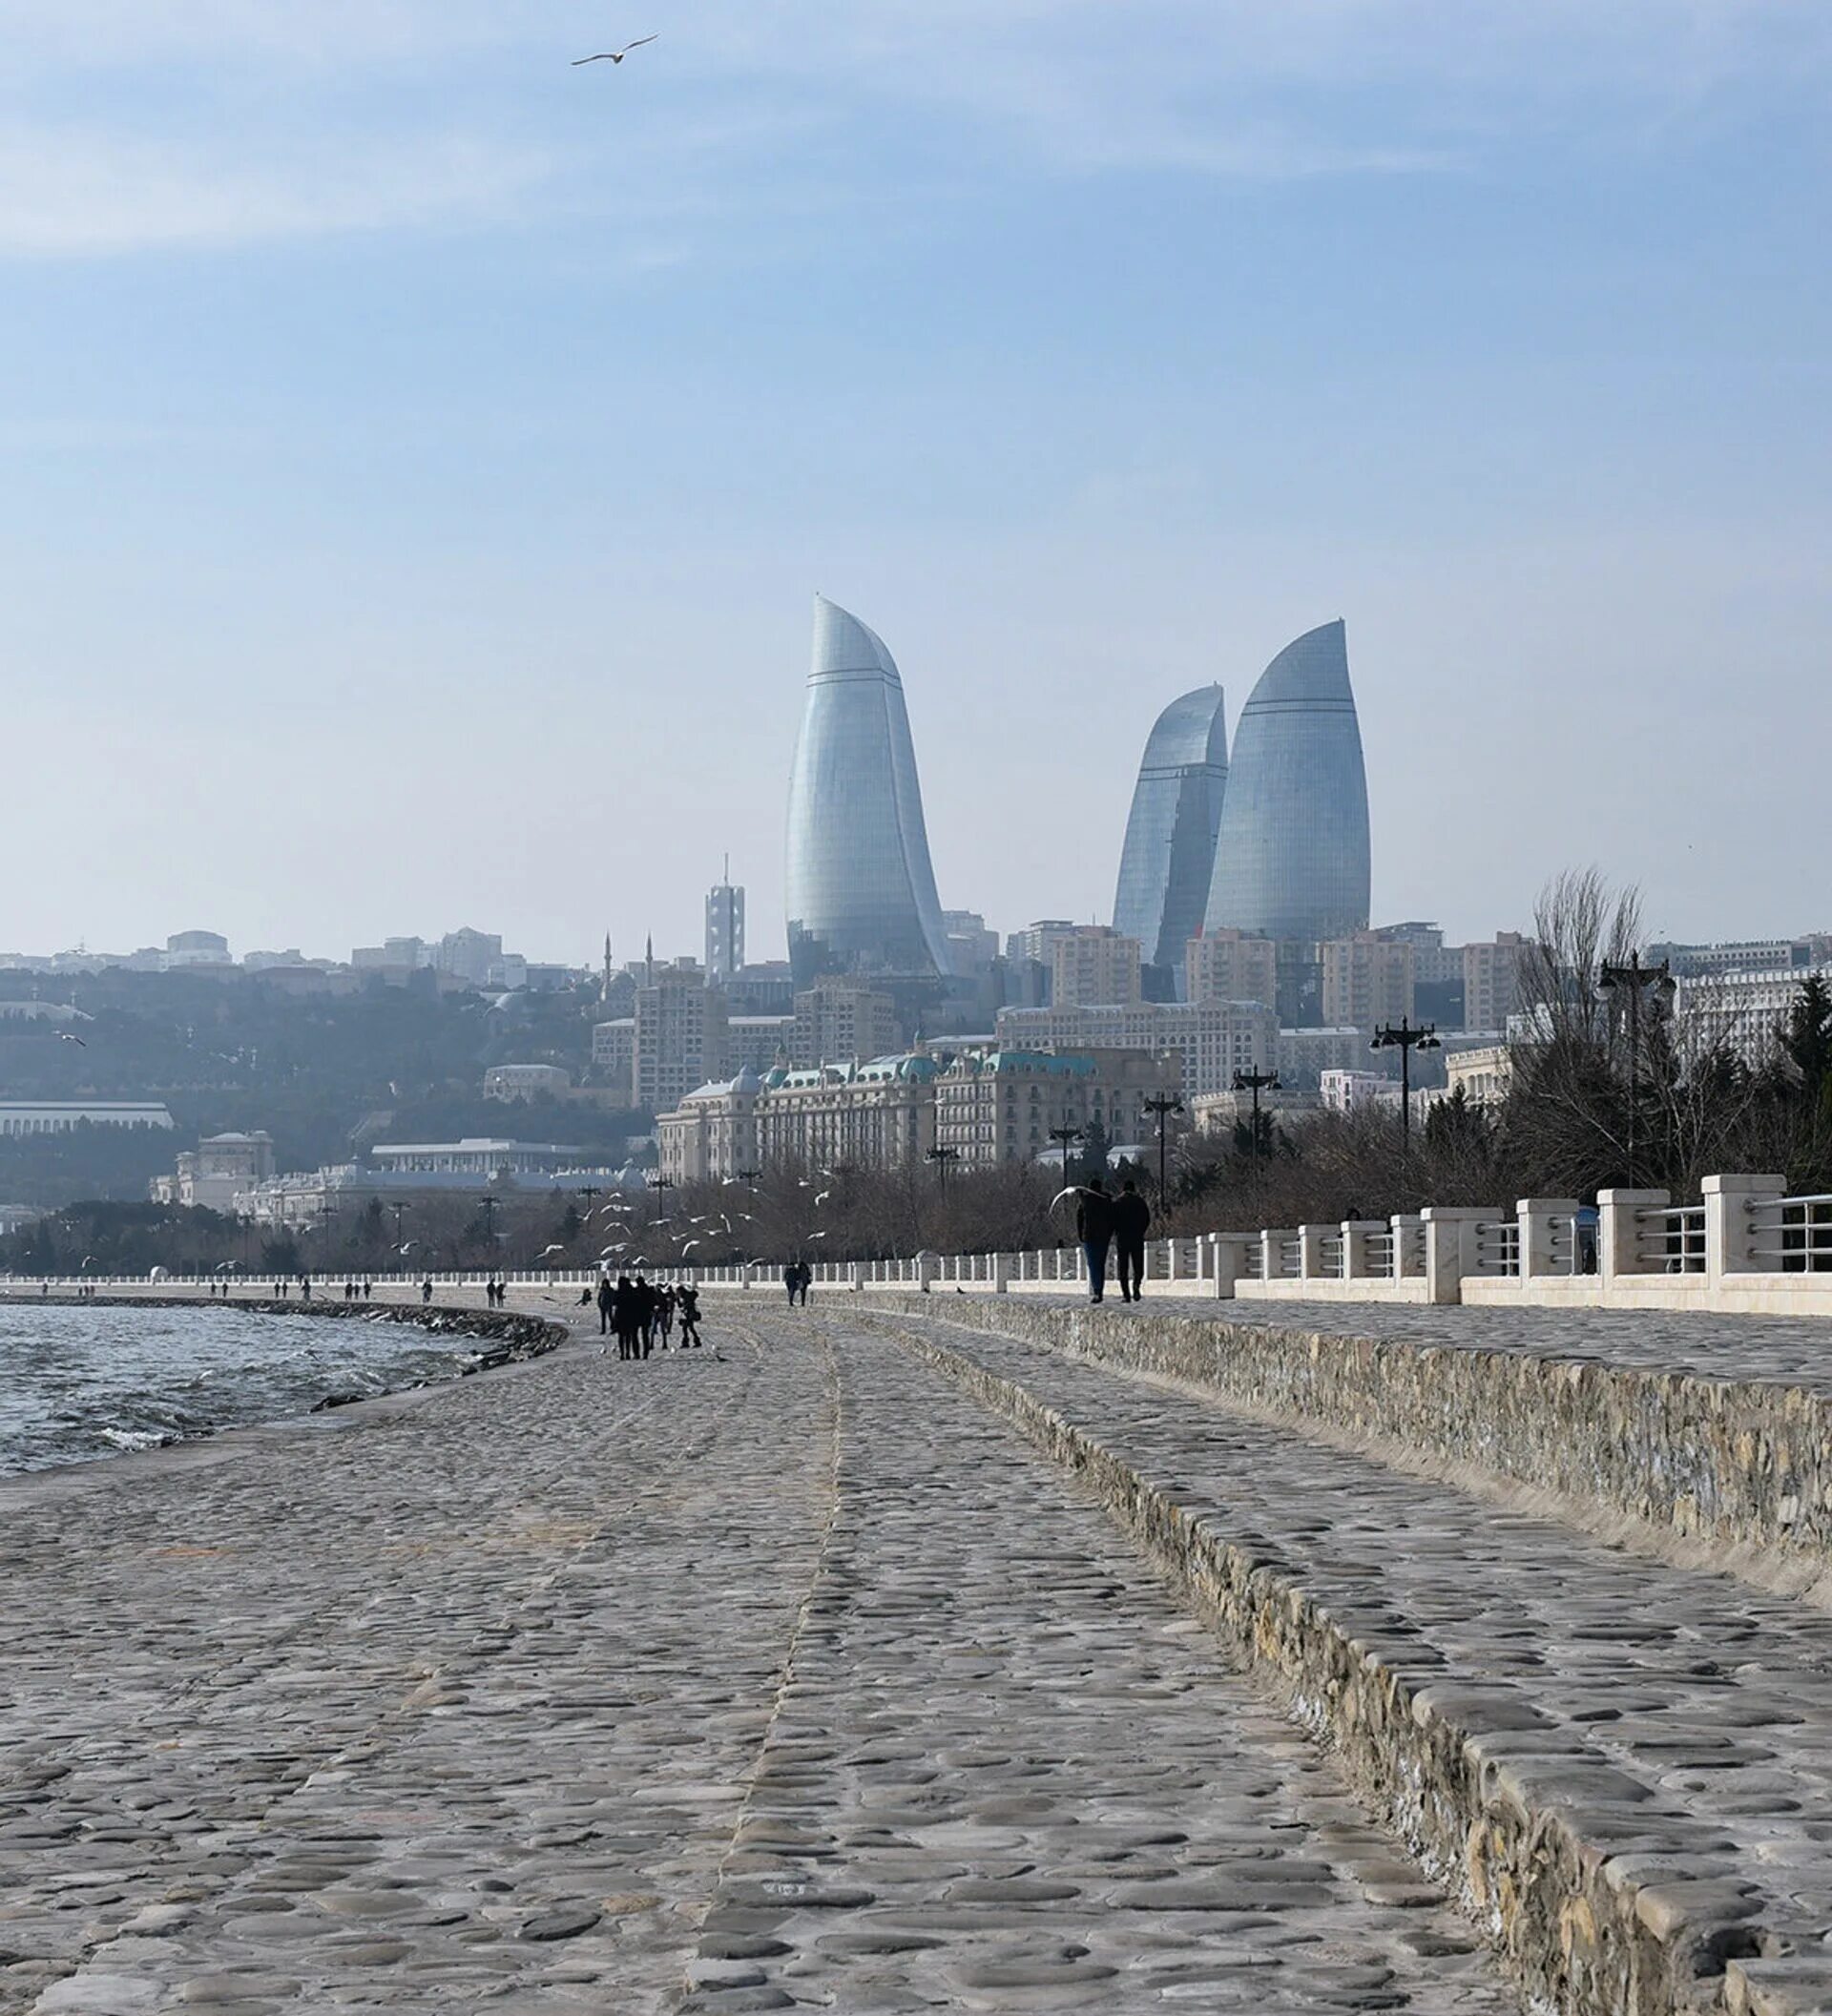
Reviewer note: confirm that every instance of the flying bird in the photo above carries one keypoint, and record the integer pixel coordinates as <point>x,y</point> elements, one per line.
<point>69,1036</point>
<point>545,1250</point>
<point>822,1196</point>
<point>613,55</point>
<point>688,1245</point>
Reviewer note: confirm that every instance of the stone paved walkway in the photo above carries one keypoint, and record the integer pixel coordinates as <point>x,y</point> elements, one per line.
<point>1689,1712</point>
<point>781,1677</point>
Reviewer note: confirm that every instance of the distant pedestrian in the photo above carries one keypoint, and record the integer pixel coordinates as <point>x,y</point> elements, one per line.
<point>689,1301</point>
<point>1094,1229</point>
<point>792,1280</point>
<point>368,1289</point>
<point>607,1301</point>
<point>426,1289</point>
<point>665,1314</point>
<point>624,1315</point>
<point>1132,1220</point>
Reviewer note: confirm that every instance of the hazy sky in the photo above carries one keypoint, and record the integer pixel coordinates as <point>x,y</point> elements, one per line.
<point>420,454</point>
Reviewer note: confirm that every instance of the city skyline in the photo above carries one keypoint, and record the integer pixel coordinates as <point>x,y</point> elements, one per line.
<point>430,445</point>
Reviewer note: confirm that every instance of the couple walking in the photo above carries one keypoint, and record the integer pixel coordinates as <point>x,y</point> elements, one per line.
<point>1103,1221</point>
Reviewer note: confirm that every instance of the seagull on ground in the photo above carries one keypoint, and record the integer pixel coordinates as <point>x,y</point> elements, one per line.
<point>614,55</point>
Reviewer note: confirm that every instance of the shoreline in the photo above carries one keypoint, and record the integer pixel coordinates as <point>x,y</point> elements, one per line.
<point>525,1338</point>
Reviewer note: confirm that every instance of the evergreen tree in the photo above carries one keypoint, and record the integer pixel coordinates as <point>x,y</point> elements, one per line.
<point>1806,1036</point>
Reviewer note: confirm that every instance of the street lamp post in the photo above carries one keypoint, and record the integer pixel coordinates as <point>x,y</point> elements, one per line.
<point>1632,975</point>
<point>1067,1136</point>
<point>1256,1082</point>
<point>942,1156</point>
<point>1164,1106</point>
<point>1406,1038</point>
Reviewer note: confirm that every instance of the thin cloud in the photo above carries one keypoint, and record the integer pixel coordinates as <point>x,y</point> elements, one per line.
<point>68,193</point>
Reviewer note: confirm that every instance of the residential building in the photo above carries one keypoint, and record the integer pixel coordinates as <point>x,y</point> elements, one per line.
<point>836,1020</point>
<point>1749,955</point>
<point>1092,965</point>
<point>64,1116</point>
<point>1367,981</point>
<point>614,1056</point>
<point>875,1114</point>
<point>860,888</point>
<point>1036,941</point>
<point>1491,981</point>
<point>999,1106</point>
<point>1291,859</point>
<point>761,1042</point>
<point>468,955</point>
<point>679,1040</point>
<point>973,949</point>
<point>1210,1040</point>
<point>724,929</point>
<point>526,1081</point>
<point>1230,966</point>
<point>1166,862</point>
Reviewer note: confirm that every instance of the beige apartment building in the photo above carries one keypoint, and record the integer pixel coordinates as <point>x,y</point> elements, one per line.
<point>1000,1106</point>
<point>679,1037</point>
<point>878,1114</point>
<point>839,1019</point>
<point>1368,981</point>
<point>1491,981</point>
<point>1094,965</point>
<point>1211,1040</point>
<point>1230,966</point>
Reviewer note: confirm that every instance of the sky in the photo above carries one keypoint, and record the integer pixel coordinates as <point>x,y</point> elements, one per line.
<point>422,454</point>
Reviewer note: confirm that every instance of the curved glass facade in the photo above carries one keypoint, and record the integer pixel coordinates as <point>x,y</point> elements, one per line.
<point>1168,861</point>
<point>1291,860</point>
<point>859,885</point>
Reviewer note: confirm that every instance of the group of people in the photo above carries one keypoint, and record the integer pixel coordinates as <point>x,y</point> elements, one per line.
<point>641,1314</point>
<point>1104,1223</point>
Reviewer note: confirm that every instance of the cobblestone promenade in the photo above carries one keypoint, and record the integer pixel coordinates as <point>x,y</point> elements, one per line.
<point>782,1675</point>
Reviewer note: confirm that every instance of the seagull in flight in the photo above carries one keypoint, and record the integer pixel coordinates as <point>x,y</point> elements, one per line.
<point>613,55</point>
<point>68,1036</point>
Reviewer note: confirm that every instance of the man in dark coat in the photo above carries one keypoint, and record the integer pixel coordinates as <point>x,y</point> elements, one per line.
<point>1132,1220</point>
<point>623,1316</point>
<point>607,1295</point>
<point>1094,1229</point>
<point>648,1306</point>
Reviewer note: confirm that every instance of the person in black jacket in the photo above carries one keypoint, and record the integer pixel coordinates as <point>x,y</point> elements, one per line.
<point>1094,1229</point>
<point>607,1298</point>
<point>1132,1220</point>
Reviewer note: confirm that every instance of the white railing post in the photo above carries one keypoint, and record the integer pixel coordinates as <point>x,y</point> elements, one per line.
<point>1539,1234</point>
<point>1409,1246</point>
<point>1228,1253</point>
<point>1310,1251</point>
<point>1357,1235</point>
<point>1619,1251</point>
<point>1450,1247</point>
<point>1272,1254</point>
<point>1002,1273</point>
<point>1730,1231</point>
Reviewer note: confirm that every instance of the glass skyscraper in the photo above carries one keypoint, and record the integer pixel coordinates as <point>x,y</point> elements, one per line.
<point>1291,860</point>
<point>1168,861</point>
<point>861,889</point>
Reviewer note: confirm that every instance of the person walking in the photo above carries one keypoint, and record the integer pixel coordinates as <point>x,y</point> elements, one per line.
<point>426,1289</point>
<point>689,1301</point>
<point>623,1316</point>
<point>1132,1220</point>
<point>792,1280</point>
<point>607,1301</point>
<point>665,1300</point>
<point>1094,1229</point>
<point>646,1306</point>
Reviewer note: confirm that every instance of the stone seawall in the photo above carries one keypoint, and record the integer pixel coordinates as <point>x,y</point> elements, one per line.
<point>1460,1771</point>
<point>1742,1461</point>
